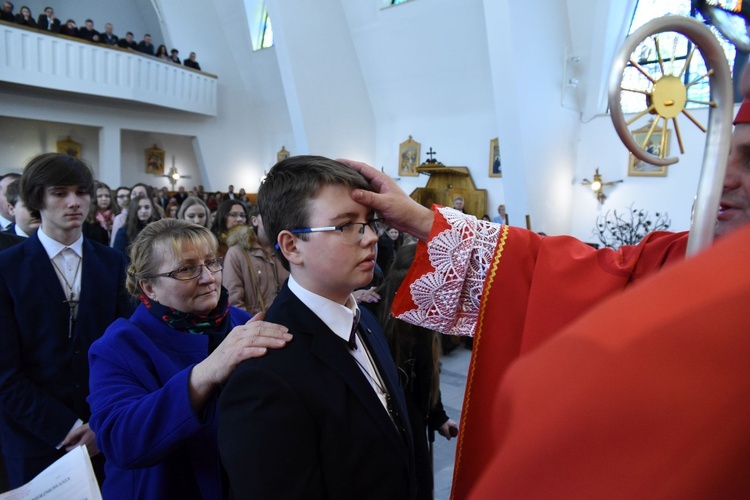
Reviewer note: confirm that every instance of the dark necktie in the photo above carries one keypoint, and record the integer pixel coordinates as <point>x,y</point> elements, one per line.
<point>353,336</point>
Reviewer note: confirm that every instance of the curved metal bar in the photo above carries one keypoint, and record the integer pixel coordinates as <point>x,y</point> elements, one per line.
<point>719,134</point>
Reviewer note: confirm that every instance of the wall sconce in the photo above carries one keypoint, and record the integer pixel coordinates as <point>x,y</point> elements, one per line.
<point>598,184</point>
<point>173,176</point>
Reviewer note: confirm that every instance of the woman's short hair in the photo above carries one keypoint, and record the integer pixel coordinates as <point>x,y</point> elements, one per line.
<point>161,240</point>
<point>53,169</point>
<point>191,201</point>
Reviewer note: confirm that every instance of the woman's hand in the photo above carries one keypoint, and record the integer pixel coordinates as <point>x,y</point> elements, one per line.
<point>250,340</point>
<point>366,295</point>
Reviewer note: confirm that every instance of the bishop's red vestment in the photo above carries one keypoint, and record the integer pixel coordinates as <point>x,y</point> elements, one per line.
<point>512,290</point>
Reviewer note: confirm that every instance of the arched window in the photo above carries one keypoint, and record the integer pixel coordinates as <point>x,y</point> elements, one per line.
<point>674,49</point>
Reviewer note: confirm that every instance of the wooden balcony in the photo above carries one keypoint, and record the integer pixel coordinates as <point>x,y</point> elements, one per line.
<point>57,62</point>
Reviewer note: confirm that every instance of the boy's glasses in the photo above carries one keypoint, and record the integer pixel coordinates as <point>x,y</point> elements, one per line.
<point>188,273</point>
<point>352,232</point>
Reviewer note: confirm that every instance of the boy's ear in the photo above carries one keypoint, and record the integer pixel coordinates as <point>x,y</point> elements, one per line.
<point>12,209</point>
<point>288,245</point>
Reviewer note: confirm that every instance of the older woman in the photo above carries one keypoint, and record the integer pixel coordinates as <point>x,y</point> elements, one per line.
<point>194,210</point>
<point>155,377</point>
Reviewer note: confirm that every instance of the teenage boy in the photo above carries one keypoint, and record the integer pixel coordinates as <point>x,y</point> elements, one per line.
<point>26,221</point>
<point>58,293</point>
<point>325,417</point>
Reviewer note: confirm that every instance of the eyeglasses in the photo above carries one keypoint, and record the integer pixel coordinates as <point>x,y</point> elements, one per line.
<point>352,232</point>
<point>237,215</point>
<point>188,273</point>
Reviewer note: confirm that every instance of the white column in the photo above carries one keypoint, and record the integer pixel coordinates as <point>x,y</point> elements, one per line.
<point>110,168</point>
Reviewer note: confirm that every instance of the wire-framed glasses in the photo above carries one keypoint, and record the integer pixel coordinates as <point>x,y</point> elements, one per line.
<point>352,232</point>
<point>187,273</point>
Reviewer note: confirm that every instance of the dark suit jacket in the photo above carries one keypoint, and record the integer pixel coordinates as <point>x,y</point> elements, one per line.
<point>8,239</point>
<point>304,422</point>
<point>43,24</point>
<point>44,372</point>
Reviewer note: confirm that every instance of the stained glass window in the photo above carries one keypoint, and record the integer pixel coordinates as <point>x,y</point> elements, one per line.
<point>674,49</point>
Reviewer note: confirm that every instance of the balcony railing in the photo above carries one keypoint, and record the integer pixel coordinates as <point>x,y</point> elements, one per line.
<point>57,62</point>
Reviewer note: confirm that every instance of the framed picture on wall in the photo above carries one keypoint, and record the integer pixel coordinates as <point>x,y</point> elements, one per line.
<point>638,168</point>
<point>408,158</point>
<point>283,154</point>
<point>496,168</point>
<point>69,147</point>
<point>155,160</point>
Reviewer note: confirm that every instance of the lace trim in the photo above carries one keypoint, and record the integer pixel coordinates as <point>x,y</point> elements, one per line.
<point>449,298</point>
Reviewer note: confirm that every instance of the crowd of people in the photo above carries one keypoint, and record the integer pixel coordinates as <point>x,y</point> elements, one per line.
<point>48,21</point>
<point>177,392</point>
<point>244,271</point>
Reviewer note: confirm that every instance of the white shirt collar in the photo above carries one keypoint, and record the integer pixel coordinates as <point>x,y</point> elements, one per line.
<point>19,231</point>
<point>4,223</point>
<point>339,318</point>
<point>54,247</point>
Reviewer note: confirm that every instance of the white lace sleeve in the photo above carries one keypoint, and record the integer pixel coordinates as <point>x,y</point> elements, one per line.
<point>448,299</point>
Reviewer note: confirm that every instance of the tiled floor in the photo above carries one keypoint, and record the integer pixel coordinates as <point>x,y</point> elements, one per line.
<point>455,366</point>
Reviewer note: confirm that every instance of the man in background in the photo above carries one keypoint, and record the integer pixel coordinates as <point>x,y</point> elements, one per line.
<point>26,221</point>
<point>145,46</point>
<point>6,218</point>
<point>47,21</point>
<point>108,37</point>
<point>191,62</point>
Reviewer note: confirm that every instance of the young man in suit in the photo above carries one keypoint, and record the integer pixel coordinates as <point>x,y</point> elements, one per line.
<point>325,417</point>
<point>58,293</point>
<point>26,221</point>
<point>48,21</point>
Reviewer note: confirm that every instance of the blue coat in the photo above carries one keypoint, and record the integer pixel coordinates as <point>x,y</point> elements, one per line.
<point>43,371</point>
<point>154,443</point>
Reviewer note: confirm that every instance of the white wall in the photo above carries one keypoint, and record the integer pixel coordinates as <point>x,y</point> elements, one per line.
<point>23,139</point>
<point>352,79</point>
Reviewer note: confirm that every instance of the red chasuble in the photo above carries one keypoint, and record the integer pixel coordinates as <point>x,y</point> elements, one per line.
<point>645,396</point>
<point>512,290</point>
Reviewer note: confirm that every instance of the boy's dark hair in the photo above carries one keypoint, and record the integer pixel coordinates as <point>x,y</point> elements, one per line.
<point>53,169</point>
<point>12,192</point>
<point>284,195</point>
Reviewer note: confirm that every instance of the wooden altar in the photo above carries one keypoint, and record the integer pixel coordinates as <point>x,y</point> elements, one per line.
<point>446,183</point>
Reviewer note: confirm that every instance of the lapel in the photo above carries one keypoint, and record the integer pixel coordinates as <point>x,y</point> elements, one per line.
<point>381,354</point>
<point>40,266</point>
<point>332,351</point>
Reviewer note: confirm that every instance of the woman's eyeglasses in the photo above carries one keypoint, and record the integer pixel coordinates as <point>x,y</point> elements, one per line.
<point>188,273</point>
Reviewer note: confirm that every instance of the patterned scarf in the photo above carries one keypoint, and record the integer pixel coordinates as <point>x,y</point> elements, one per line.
<point>105,219</point>
<point>215,324</point>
